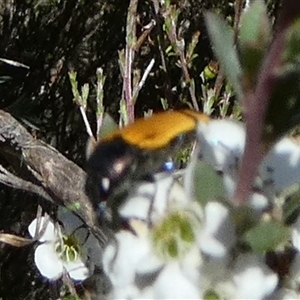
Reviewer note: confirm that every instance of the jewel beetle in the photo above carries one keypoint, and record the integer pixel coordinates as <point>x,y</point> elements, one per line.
<point>139,150</point>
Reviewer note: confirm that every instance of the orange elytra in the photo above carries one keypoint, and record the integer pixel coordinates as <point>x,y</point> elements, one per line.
<point>138,150</point>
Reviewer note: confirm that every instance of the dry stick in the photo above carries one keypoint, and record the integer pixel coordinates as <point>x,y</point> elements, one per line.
<point>86,121</point>
<point>99,100</point>
<point>14,181</point>
<point>256,103</point>
<point>139,86</point>
<point>14,240</point>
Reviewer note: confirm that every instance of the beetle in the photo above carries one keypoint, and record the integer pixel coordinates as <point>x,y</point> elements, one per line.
<point>139,150</point>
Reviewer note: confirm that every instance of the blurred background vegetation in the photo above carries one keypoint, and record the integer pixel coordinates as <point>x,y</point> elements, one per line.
<point>53,37</point>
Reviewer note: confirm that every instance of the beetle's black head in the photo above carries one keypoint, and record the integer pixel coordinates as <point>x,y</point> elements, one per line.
<point>109,165</point>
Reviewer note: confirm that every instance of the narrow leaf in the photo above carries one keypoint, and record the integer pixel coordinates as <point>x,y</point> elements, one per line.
<point>221,36</point>
<point>254,39</point>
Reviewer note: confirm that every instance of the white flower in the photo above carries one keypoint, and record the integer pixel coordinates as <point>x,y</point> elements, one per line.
<point>137,272</point>
<point>140,268</point>
<point>64,249</point>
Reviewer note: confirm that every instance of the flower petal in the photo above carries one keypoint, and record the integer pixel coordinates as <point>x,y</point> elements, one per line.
<point>152,200</point>
<point>77,270</point>
<point>252,278</point>
<point>172,284</point>
<point>49,234</point>
<point>218,234</point>
<point>48,262</point>
<point>121,261</point>
<point>222,150</point>
<point>284,162</point>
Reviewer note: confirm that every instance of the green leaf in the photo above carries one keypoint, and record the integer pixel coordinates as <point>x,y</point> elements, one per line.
<point>267,236</point>
<point>208,185</point>
<point>254,39</point>
<point>221,36</point>
<point>74,85</point>
<point>123,112</point>
<point>85,90</point>
<point>108,126</point>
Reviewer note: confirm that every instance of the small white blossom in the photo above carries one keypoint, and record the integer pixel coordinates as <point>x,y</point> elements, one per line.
<point>64,249</point>
<point>140,268</point>
<point>137,272</point>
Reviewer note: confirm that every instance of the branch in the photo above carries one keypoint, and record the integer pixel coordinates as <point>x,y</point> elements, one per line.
<point>256,103</point>
<point>53,175</point>
<point>14,181</point>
